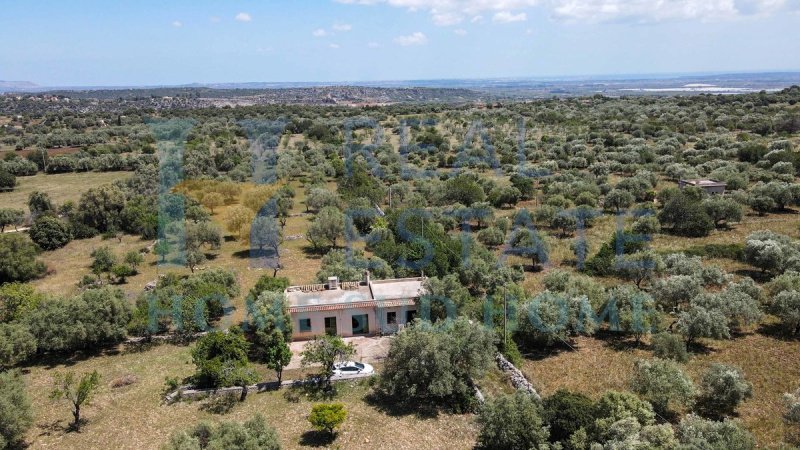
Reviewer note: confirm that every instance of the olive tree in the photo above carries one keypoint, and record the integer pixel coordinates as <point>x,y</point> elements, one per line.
<point>16,416</point>
<point>662,382</point>
<point>77,392</point>
<point>512,421</point>
<point>722,389</point>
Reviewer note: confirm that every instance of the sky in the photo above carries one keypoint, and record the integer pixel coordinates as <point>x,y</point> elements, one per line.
<point>145,42</point>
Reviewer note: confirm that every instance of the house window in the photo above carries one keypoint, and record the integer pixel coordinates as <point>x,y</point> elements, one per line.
<point>360,324</point>
<point>305,325</point>
<point>391,318</point>
<point>330,326</point>
<point>410,315</point>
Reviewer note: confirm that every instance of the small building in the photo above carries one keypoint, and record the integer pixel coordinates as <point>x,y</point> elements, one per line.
<point>713,187</point>
<point>353,308</point>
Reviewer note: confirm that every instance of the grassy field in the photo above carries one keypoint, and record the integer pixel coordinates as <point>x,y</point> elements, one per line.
<point>594,366</point>
<point>134,417</point>
<point>60,187</point>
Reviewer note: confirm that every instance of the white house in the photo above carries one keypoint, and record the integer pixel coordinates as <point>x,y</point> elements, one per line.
<point>353,308</point>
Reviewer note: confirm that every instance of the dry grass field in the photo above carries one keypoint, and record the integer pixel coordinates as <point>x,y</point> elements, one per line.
<point>60,187</point>
<point>134,417</point>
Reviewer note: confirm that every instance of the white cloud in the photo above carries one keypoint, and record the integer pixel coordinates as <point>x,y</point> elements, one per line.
<point>417,38</point>
<point>333,45</point>
<point>177,24</point>
<point>243,17</point>
<point>319,32</point>
<point>343,27</point>
<point>460,32</point>
<point>508,17</point>
<point>452,12</point>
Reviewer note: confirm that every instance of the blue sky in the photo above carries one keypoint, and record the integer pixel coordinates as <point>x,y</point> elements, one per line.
<point>93,42</point>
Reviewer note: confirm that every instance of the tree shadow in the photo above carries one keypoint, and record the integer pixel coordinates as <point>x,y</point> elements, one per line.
<point>317,439</point>
<point>48,429</point>
<point>756,275</point>
<point>315,253</point>
<point>620,342</point>
<point>52,360</point>
<point>540,353</point>
<point>698,348</point>
<point>394,407</point>
<point>776,331</point>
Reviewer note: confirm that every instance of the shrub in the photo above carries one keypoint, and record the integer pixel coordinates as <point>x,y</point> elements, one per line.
<point>786,306</point>
<point>661,382</point>
<point>221,360</point>
<point>566,412</point>
<point>669,346</point>
<point>18,258</point>
<point>512,422</point>
<point>15,409</point>
<point>722,389</point>
<point>684,216</point>
<point>7,180</point>
<point>16,344</point>
<point>695,432</point>
<point>614,406</point>
<point>327,417</point>
<point>50,233</point>
<point>433,364</point>
<point>254,434</point>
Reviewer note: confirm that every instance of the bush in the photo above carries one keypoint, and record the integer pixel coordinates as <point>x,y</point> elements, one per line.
<point>18,258</point>
<point>15,409</point>
<point>94,318</point>
<point>16,344</point>
<point>722,389</point>
<point>511,422</point>
<point>221,360</point>
<point>50,233</point>
<point>685,216</point>
<point>566,412</point>
<point>669,346</point>
<point>435,364</point>
<point>695,432</point>
<point>786,306</point>
<point>661,382</point>
<point>327,417</point>
<point>7,180</point>
<point>254,434</point>
<point>614,406</point>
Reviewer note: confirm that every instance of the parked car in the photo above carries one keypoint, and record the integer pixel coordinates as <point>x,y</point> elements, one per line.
<point>352,368</point>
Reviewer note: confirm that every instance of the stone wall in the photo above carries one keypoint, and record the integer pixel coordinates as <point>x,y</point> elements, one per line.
<point>518,380</point>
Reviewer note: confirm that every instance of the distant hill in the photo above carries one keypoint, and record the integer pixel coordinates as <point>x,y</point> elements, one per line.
<point>13,86</point>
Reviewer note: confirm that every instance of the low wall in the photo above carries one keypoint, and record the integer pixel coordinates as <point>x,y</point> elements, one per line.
<point>188,392</point>
<point>518,379</point>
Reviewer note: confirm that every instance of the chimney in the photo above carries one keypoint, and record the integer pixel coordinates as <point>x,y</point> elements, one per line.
<point>366,277</point>
<point>333,283</point>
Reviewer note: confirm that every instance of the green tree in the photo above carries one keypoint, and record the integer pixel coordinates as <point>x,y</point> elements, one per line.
<point>786,306</point>
<point>9,217</point>
<point>617,200</point>
<point>662,382</point>
<point>697,322</point>
<point>213,200</point>
<point>491,237</point>
<point>722,389</point>
<point>639,267</point>
<point>528,243</point>
<point>550,318</point>
<point>7,180</point>
<point>722,210</point>
<point>327,417</point>
<point>669,346</point>
<point>567,412</point>
<point>104,260</point>
<point>133,259</point>
<point>220,360</point>
<point>327,227</point>
<point>77,392</point>
<point>265,232</point>
<point>270,312</point>
<point>16,416</point>
<point>273,351</point>
<point>326,350</point>
<point>434,364</point>
<point>17,299</point>
<point>50,233</point>
<point>511,422</point>
<point>39,203</point>
<point>695,432</point>
<point>685,216</point>
<point>614,406</point>
<point>101,208</point>
<point>18,258</point>
<point>254,434</point>
<point>17,344</point>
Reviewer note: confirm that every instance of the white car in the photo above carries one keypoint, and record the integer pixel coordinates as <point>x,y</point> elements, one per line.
<point>352,368</point>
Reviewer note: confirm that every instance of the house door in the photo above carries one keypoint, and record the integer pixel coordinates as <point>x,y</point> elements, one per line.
<point>330,326</point>
<point>360,324</point>
<point>410,315</point>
